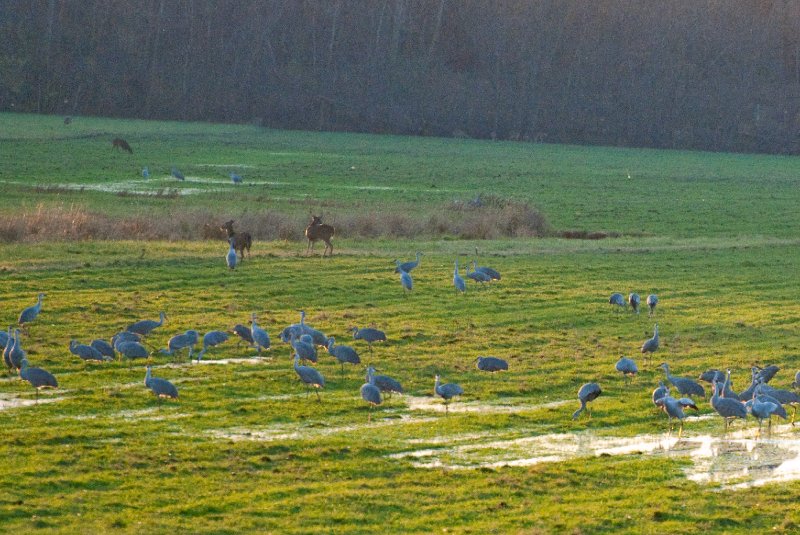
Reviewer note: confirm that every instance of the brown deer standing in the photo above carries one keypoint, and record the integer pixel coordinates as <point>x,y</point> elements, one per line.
<point>239,240</point>
<point>119,143</point>
<point>316,230</point>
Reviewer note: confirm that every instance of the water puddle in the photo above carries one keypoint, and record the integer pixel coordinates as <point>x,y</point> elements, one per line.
<point>8,402</point>
<point>307,432</point>
<point>421,403</point>
<point>740,459</point>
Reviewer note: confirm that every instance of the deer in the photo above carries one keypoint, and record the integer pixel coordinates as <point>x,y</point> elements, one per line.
<point>239,240</point>
<point>119,143</point>
<point>317,230</point>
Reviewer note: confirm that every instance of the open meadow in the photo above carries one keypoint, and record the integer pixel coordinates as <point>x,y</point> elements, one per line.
<point>245,448</point>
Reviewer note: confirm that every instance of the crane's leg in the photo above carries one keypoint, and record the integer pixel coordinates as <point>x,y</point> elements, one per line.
<point>369,414</point>
<point>680,431</point>
<point>318,398</point>
<point>794,413</point>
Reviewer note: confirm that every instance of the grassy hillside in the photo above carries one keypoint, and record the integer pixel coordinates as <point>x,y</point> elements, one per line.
<point>244,448</point>
<point>681,194</point>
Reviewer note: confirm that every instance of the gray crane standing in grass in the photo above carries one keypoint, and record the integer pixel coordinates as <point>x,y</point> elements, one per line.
<point>371,394</point>
<point>304,348</point>
<point>310,376</point>
<point>650,346</point>
<point>652,301</point>
<point>627,367</point>
<point>405,279</point>
<point>259,335</point>
<point>212,339</point>
<point>244,334</point>
<point>176,173</point>
<point>29,314</point>
<point>587,393</point>
<point>131,350</point>
<point>634,300</point>
<point>762,409</point>
<point>369,335</point>
<point>6,338</point>
<point>660,391</point>
<point>672,407</point>
<point>385,384</point>
<point>145,172</point>
<point>145,327</point>
<point>492,273</point>
<point>124,336</point>
<point>477,276</point>
<point>447,392</point>
<point>14,355</point>
<point>407,266</point>
<point>185,340</point>
<point>491,364</point>
<point>458,280</point>
<point>236,179</point>
<point>105,349</point>
<point>617,299</point>
<point>343,353</point>
<point>796,382</point>
<point>161,388</point>
<point>37,377</point>
<point>86,352</point>
<point>230,258</point>
<point>686,386</point>
<point>729,409</point>
<point>784,397</point>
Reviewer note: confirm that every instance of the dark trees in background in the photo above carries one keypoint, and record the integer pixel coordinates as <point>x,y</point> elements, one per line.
<point>712,74</point>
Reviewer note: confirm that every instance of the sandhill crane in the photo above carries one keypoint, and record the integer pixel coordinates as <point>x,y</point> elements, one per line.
<point>161,388</point>
<point>725,407</point>
<point>371,394</point>
<point>343,353</point>
<point>686,386</point>
<point>175,172</point>
<point>385,383</point>
<point>405,279</point>
<point>652,301</point>
<point>131,350</point>
<point>297,329</point>
<point>660,391</point>
<point>617,299</point>
<point>491,364</point>
<point>259,335</point>
<point>185,340</point>
<point>627,367</point>
<point>407,266</point>
<point>304,348</point>
<point>766,374</point>
<point>673,409</point>
<point>650,346</point>
<point>230,258</point>
<point>29,314</point>
<point>5,338</point>
<point>633,301</point>
<point>14,354</point>
<point>369,335</point>
<point>145,172</point>
<point>236,179</point>
<point>86,352</point>
<point>212,339</point>
<point>124,336</point>
<point>244,334</point>
<point>588,392</point>
<point>447,391</point>
<point>310,376</point>
<point>796,382</point>
<point>458,281</point>
<point>145,327</point>
<point>105,349</point>
<point>477,276</point>
<point>37,377</point>
<point>493,274</point>
<point>783,396</point>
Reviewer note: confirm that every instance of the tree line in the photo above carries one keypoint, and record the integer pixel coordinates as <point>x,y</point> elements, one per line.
<point>701,74</point>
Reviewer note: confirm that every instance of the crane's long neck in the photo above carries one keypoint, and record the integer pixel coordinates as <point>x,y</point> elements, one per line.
<point>161,317</point>
<point>147,376</point>
<point>577,412</point>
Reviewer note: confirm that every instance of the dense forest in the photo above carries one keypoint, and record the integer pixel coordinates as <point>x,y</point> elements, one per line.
<point>703,74</point>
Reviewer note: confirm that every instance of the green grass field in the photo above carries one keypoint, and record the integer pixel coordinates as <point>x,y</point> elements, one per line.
<point>245,449</point>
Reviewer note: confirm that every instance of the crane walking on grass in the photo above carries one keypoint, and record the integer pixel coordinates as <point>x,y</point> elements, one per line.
<point>370,393</point>
<point>37,377</point>
<point>587,393</point>
<point>310,376</point>
<point>447,392</point>
<point>29,314</point>
<point>161,388</point>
